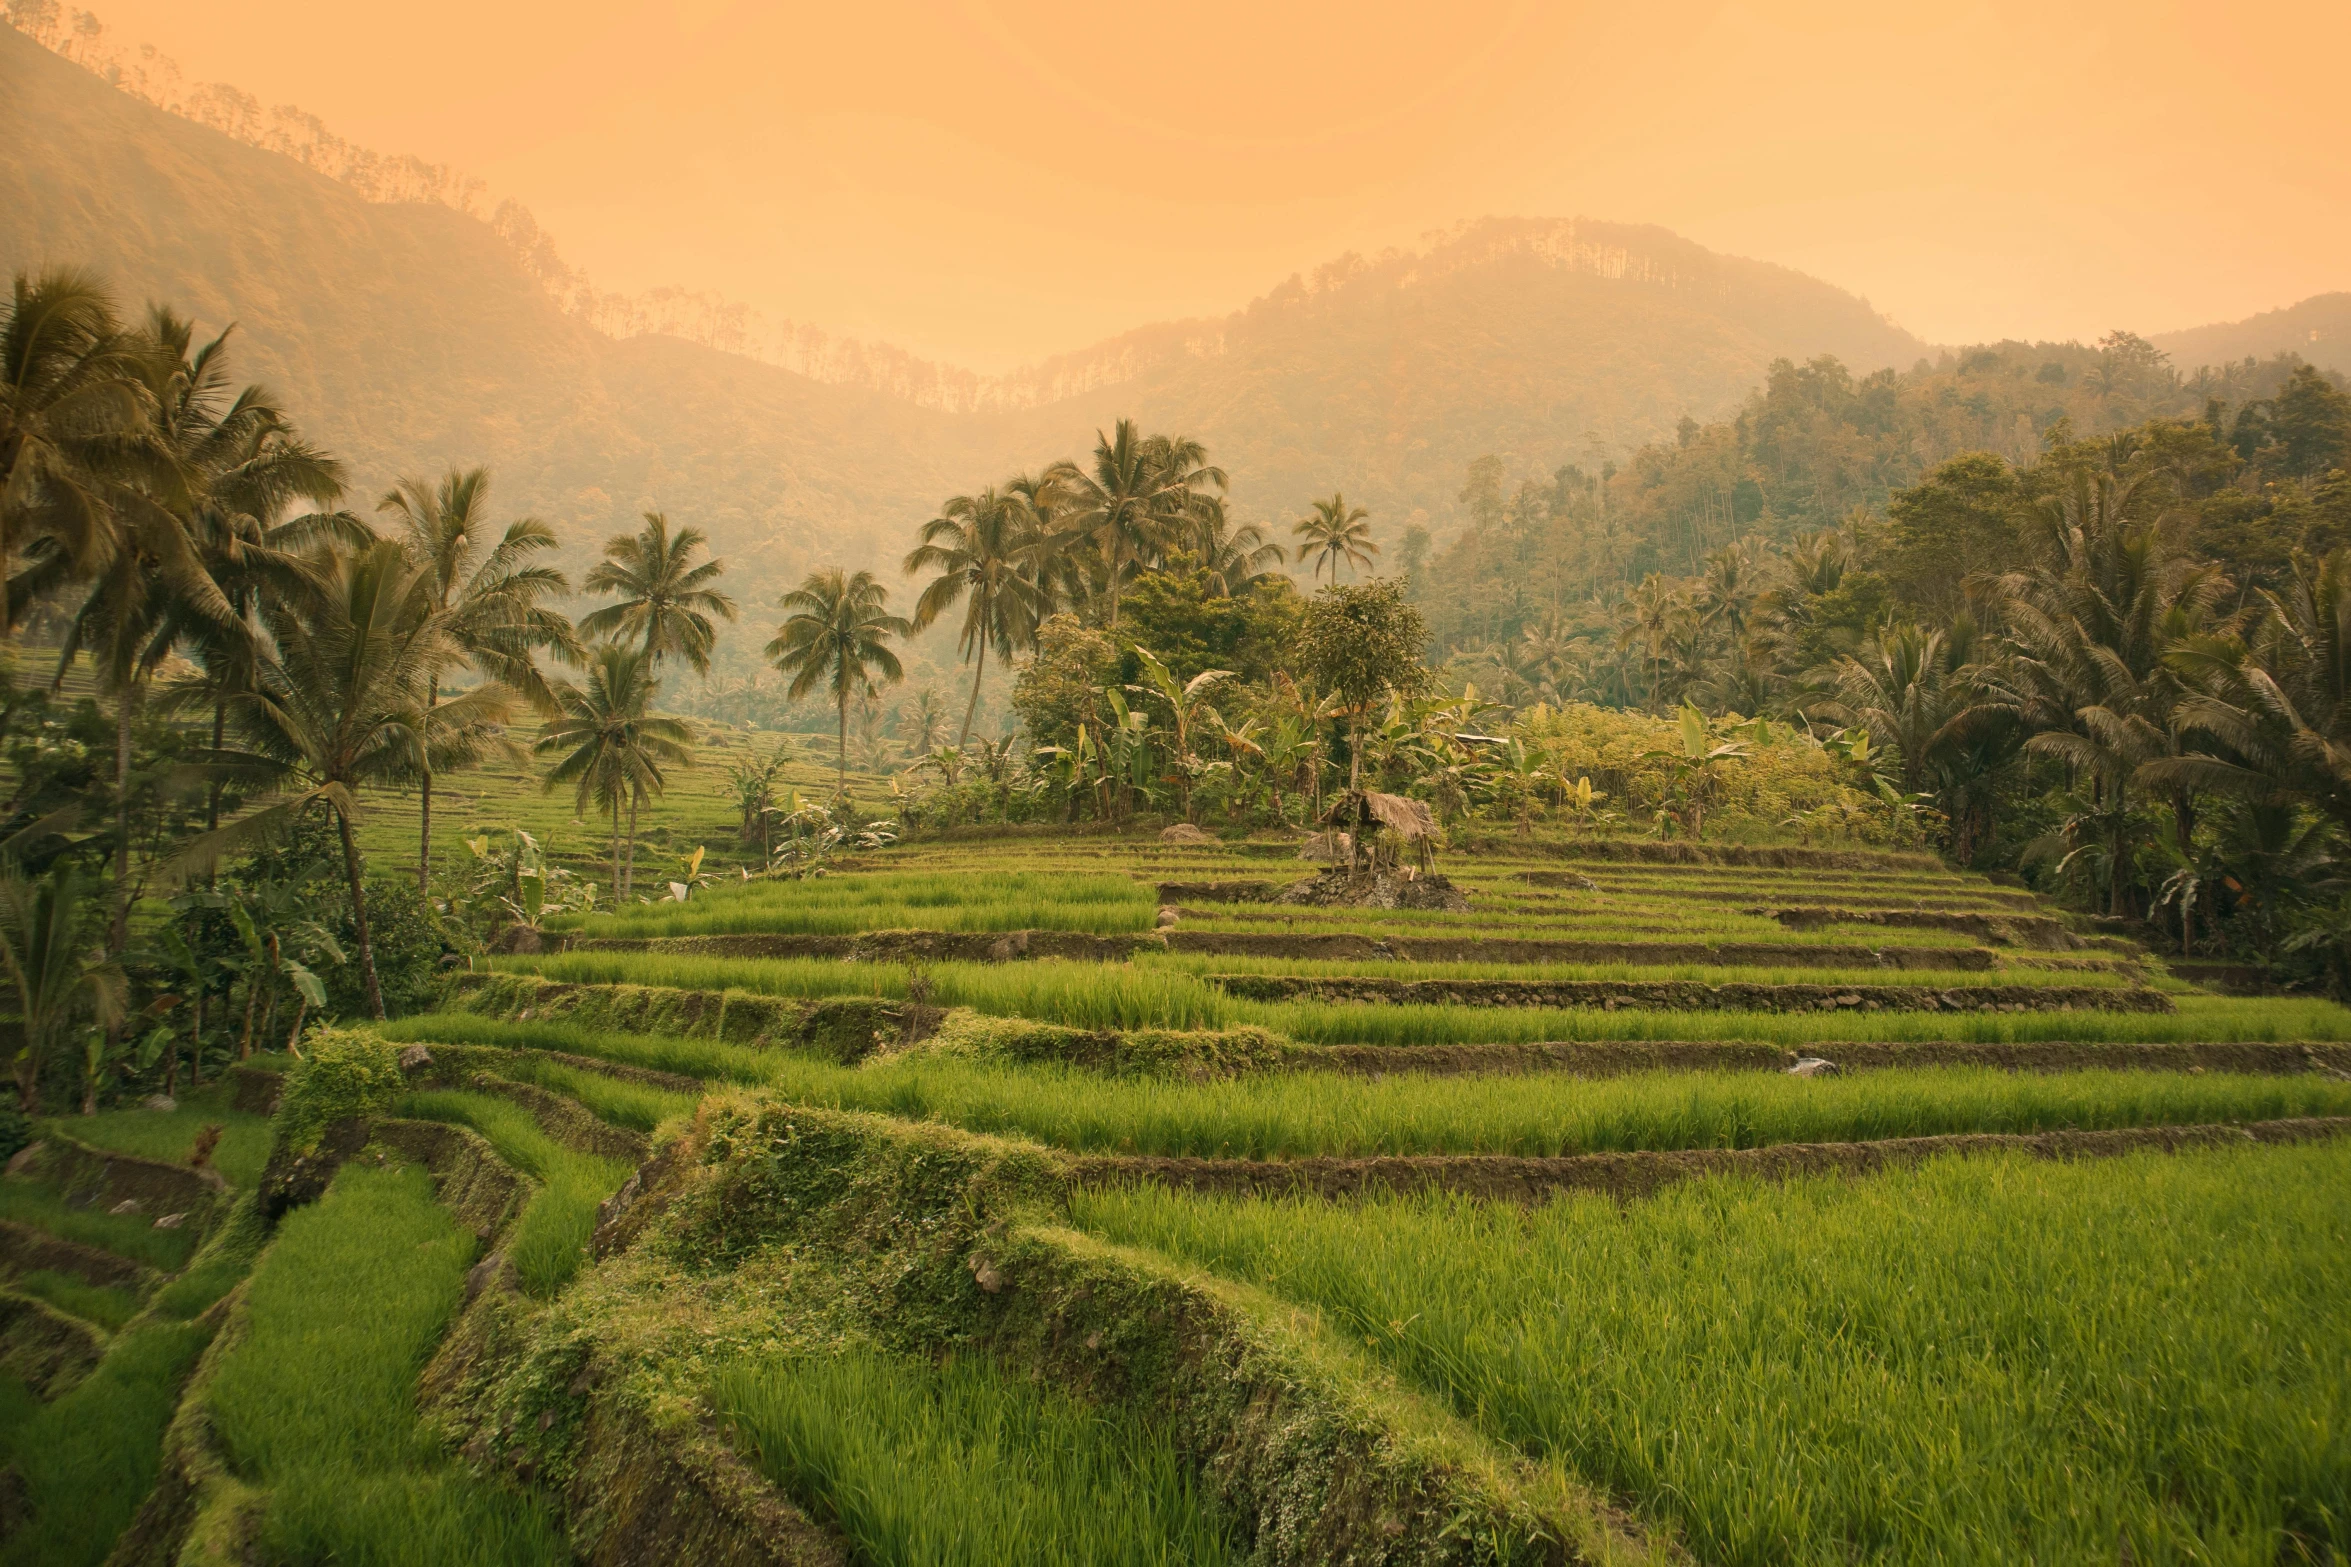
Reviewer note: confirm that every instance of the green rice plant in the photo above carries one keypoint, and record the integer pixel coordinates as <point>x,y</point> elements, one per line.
<point>89,1459</point>
<point>550,1240</point>
<point>1978,1360</point>
<point>104,1305</point>
<point>128,1235</point>
<point>902,900</point>
<point>1205,964</point>
<point>1154,995</point>
<point>637,1106</point>
<point>1537,1115</point>
<point>317,1402</point>
<point>937,1466</point>
<point>170,1135</point>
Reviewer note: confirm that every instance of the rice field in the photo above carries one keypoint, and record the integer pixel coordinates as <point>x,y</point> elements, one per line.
<point>1539,1115</point>
<point>318,1400</point>
<point>923,1465</point>
<point>550,1240</point>
<point>1158,994</point>
<point>1980,1360</point>
<point>922,900</point>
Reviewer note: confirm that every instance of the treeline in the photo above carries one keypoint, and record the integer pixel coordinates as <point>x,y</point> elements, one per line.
<point>2102,644</point>
<point>263,660</point>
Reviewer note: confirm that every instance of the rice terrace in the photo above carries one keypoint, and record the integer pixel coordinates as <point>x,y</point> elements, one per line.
<point>1541,893</point>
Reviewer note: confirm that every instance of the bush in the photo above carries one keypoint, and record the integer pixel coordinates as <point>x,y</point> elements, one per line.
<point>343,1074</point>
<point>15,1132</point>
<point>407,951</point>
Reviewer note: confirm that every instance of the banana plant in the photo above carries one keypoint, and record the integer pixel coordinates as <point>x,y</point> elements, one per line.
<point>690,868</point>
<point>1698,765</point>
<point>1188,711</point>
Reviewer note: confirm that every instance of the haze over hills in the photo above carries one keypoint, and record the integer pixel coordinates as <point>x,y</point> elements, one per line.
<point>408,336</point>
<point>2318,329</point>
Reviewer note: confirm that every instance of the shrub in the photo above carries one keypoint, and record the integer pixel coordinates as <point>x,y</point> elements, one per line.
<point>342,1074</point>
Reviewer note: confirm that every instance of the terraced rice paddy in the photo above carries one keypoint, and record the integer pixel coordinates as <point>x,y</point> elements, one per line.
<point>926,1249</point>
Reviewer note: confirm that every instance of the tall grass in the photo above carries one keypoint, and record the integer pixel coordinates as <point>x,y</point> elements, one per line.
<point>318,1401</point>
<point>170,1135</point>
<point>89,1459</point>
<point>1155,995</point>
<point>129,1235</point>
<point>898,900</point>
<point>1979,1360</point>
<point>637,1106</point>
<point>102,1305</point>
<point>550,1240</point>
<point>1539,1115</point>
<point>939,1466</point>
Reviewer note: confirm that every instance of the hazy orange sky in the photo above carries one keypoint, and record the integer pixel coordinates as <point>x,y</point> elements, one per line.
<point>987,181</point>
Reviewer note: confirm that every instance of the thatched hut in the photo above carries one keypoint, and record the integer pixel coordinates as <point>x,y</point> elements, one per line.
<point>1378,828</point>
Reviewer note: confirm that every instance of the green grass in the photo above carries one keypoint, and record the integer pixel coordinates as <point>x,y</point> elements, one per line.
<point>1205,964</point>
<point>318,1401</point>
<point>896,900</point>
<point>1154,995</point>
<point>1539,1115</point>
<point>170,1135</point>
<point>550,1240</point>
<point>938,1466</point>
<point>637,1106</point>
<point>104,1305</point>
<point>131,1235</point>
<point>90,1458</point>
<point>1980,1360</point>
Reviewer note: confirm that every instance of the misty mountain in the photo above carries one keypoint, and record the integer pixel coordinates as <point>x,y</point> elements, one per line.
<point>2318,329</point>
<point>408,336</point>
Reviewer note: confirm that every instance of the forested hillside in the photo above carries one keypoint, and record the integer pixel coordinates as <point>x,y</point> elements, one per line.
<point>411,334</point>
<point>2318,329</point>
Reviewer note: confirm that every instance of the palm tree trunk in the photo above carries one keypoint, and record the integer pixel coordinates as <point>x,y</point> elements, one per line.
<point>118,936</point>
<point>628,878</point>
<point>616,849</point>
<point>367,951</point>
<point>841,783</point>
<point>424,801</point>
<point>971,710</point>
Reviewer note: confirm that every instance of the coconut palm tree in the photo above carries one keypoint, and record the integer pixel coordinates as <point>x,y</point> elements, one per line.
<point>338,704</point>
<point>979,545</point>
<point>666,603</point>
<point>492,594</point>
<point>1336,533</point>
<point>73,424</point>
<point>836,636</point>
<point>221,454</point>
<point>1236,557</point>
<point>612,745</point>
<point>1141,493</point>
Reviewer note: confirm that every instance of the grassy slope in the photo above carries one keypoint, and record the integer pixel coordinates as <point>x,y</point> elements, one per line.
<point>1536,1115</point>
<point>1981,1360</point>
<point>318,1401</point>
<point>921,1465</point>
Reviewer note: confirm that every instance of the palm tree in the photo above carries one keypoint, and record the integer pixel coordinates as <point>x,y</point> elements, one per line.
<point>1336,532</point>
<point>73,421</point>
<point>1649,616</point>
<point>979,545</point>
<point>54,968</point>
<point>221,456</point>
<point>835,635</point>
<point>491,595</point>
<point>664,602</point>
<point>338,704</point>
<point>1140,493</point>
<point>1236,558</point>
<point>612,745</point>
